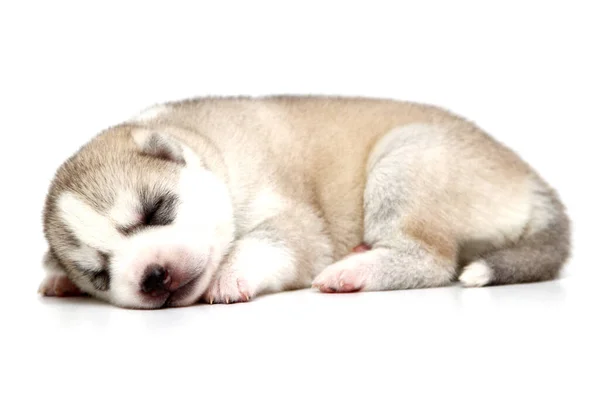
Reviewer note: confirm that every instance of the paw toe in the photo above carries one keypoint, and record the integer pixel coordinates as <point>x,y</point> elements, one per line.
<point>59,286</point>
<point>228,290</point>
<point>336,279</point>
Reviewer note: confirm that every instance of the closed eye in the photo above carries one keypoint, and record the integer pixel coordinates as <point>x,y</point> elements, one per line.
<point>159,212</point>
<point>101,280</point>
<point>98,274</point>
<point>152,215</point>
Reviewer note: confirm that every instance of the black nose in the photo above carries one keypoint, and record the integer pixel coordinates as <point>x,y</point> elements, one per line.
<point>156,280</point>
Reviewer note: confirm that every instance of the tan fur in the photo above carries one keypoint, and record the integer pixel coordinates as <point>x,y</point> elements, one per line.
<point>435,239</point>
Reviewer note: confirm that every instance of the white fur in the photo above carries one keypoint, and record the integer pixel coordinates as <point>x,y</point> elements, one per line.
<point>51,266</point>
<point>124,211</point>
<point>265,265</point>
<point>498,217</point>
<point>86,258</point>
<point>407,139</point>
<point>543,211</point>
<point>206,205</point>
<point>256,265</point>
<point>150,113</point>
<point>476,274</point>
<point>265,205</point>
<point>87,224</point>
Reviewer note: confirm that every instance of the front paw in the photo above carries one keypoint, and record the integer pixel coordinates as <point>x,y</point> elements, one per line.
<point>58,285</point>
<point>228,287</point>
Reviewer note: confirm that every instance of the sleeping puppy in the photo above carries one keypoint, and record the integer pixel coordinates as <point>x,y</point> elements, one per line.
<point>224,199</point>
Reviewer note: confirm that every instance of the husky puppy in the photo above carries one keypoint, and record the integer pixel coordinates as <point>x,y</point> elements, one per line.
<point>223,199</point>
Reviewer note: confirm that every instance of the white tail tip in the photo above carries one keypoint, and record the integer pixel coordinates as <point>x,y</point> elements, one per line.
<point>476,274</point>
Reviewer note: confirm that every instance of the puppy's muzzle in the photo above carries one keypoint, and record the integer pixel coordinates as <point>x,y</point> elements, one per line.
<point>165,285</point>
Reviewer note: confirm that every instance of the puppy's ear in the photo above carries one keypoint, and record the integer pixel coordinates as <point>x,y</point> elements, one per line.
<point>158,145</point>
<point>56,282</point>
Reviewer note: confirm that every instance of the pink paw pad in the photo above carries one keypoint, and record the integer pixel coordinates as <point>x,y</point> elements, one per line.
<point>350,274</point>
<point>339,280</point>
<point>59,286</point>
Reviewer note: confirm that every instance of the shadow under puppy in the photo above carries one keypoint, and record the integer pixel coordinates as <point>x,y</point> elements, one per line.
<point>224,199</point>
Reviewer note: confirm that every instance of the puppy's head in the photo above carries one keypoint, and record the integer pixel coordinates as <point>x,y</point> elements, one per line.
<point>136,218</point>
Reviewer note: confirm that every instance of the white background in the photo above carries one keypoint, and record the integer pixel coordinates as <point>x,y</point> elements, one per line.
<point>527,72</point>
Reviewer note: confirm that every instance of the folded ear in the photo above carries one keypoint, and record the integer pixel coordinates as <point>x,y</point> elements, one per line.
<point>56,282</point>
<point>158,145</point>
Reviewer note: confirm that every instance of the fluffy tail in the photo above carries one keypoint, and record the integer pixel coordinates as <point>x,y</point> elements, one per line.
<point>539,255</point>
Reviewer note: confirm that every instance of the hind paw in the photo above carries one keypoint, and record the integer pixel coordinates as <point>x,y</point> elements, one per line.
<point>59,285</point>
<point>348,275</point>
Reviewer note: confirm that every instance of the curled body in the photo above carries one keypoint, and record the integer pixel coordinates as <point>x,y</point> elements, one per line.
<point>225,199</point>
